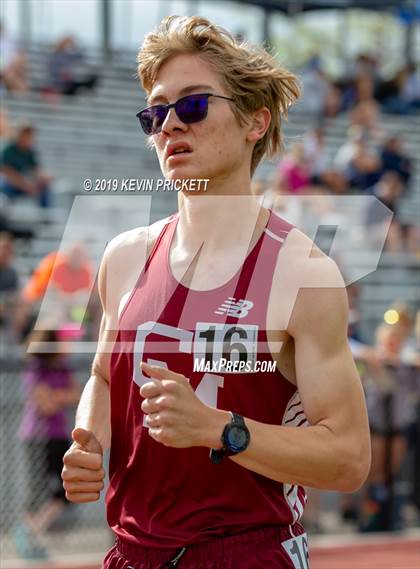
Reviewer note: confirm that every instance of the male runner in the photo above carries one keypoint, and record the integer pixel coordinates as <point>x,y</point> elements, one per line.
<point>211,444</point>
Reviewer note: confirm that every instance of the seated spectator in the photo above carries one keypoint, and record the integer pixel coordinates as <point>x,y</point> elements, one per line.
<point>360,165</point>
<point>401,94</point>
<point>389,190</point>
<point>333,102</point>
<point>294,173</point>
<point>358,96</point>
<point>20,169</point>
<point>315,89</point>
<point>359,81</point>
<point>394,158</point>
<point>321,173</point>
<point>62,73</point>
<point>365,65</point>
<point>315,151</point>
<point>13,65</point>
<point>366,115</point>
<point>377,220</point>
<point>364,88</point>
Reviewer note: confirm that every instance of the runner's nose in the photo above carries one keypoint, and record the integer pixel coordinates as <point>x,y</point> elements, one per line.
<point>172,122</point>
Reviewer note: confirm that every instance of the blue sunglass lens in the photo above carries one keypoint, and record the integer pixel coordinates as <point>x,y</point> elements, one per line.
<point>152,119</point>
<point>192,109</point>
<point>188,109</point>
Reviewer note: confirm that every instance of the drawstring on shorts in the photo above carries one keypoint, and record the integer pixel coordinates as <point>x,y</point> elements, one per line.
<point>175,560</point>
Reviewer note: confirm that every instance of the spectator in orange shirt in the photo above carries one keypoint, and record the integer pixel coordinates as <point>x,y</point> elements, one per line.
<point>69,273</point>
<point>70,280</point>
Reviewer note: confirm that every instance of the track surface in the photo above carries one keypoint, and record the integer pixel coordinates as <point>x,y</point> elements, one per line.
<point>403,554</point>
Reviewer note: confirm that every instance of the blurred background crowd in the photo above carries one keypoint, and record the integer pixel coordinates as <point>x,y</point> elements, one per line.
<point>351,161</point>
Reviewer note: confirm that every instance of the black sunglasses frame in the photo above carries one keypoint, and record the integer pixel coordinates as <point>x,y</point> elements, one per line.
<point>170,106</point>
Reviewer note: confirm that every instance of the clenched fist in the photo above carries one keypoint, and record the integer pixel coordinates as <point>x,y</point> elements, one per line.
<point>83,474</point>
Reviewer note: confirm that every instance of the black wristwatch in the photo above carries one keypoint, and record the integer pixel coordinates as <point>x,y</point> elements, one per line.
<point>235,439</point>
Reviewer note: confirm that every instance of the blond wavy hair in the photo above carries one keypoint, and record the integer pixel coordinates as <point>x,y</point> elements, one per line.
<point>252,77</point>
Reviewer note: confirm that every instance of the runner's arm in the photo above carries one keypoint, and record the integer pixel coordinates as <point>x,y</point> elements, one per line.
<point>93,412</point>
<point>333,452</point>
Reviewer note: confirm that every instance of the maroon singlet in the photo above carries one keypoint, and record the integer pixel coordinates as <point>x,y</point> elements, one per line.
<point>167,497</point>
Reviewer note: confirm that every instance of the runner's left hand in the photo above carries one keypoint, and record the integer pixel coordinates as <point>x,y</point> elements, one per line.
<point>175,415</point>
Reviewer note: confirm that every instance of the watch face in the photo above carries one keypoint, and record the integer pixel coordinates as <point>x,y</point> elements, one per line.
<point>237,438</point>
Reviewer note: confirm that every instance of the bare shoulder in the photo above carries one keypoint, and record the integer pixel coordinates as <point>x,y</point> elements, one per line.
<point>123,260</point>
<point>140,237</point>
<point>308,284</point>
<point>302,263</point>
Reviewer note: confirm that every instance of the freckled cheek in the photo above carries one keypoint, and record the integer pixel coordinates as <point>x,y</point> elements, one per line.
<point>221,146</point>
<point>216,154</point>
<point>213,143</point>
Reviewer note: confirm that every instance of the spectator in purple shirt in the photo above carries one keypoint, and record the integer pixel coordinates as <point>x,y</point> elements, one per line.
<point>49,389</point>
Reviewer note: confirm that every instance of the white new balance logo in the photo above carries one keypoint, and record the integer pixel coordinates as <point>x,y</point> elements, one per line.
<point>236,308</point>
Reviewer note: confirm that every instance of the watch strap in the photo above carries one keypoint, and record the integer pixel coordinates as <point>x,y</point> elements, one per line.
<point>216,456</point>
<point>237,419</point>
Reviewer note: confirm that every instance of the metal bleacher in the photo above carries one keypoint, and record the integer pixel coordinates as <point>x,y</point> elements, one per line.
<point>88,136</point>
<point>96,136</point>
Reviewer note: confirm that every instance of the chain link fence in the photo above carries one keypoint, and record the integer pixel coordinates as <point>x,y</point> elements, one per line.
<point>77,527</point>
